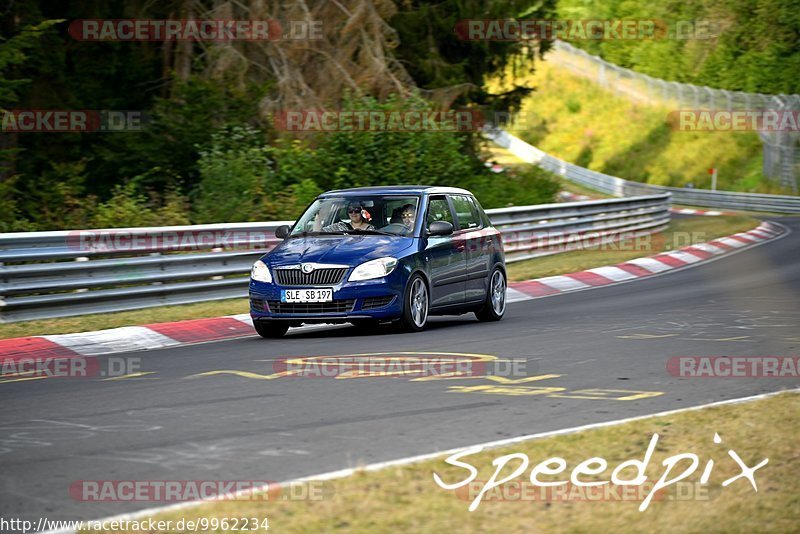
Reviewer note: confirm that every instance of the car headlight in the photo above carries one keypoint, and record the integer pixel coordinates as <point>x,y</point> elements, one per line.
<point>260,272</point>
<point>373,269</point>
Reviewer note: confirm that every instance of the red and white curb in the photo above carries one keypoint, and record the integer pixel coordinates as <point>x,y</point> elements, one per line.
<point>126,339</point>
<point>643,267</point>
<point>161,335</point>
<point>130,338</point>
<point>566,196</point>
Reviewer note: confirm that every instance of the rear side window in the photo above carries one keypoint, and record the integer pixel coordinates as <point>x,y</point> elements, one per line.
<point>481,214</point>
<point>439,210</point>
<point>467,212</point>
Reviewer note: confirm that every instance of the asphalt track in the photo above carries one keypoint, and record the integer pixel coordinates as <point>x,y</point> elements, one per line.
<point>606,345</point>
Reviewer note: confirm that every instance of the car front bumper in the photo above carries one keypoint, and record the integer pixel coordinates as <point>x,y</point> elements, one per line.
<point>381,299</point>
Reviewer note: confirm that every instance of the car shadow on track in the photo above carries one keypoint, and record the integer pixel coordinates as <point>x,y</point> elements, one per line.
<point>339,331</point>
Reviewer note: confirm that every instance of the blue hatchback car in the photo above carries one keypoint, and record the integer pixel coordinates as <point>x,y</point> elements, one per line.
<point>380,254</point>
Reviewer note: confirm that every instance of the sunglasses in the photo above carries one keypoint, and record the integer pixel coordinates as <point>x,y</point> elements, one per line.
<point>353,210</point>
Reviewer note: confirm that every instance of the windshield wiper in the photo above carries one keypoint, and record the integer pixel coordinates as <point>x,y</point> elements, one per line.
<point>376,232</point>
<point>312,233</point>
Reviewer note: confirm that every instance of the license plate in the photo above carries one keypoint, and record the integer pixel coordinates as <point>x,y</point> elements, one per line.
<point>307,295</point>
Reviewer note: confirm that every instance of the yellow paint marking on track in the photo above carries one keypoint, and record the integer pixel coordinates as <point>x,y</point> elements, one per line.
<point>392,357</point>
<point>246,374</point>
<point>558,392</point>
<point>646,336</point>
<point>501,390</point>
<point>16,375</point>
<point>504,380</point>
<point>356,373</point>
<point>24,379</point>
<point>496,378</point>
<point>609,394</point>
<point>131,375</point>
<point>456,375</point>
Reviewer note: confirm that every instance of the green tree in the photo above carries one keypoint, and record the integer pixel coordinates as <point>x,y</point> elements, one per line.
<point>235,177</point>
<point>13,53</point>
<point>752,45</point>
<point>441,60</point>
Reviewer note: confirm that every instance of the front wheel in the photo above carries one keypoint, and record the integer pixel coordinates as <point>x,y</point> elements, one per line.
<point>270,329</point>
<point>415,305</point>
<point>495,306</point>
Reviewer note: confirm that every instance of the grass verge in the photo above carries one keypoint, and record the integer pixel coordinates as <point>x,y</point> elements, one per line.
<point>407,499</point>
<point>680,233</point>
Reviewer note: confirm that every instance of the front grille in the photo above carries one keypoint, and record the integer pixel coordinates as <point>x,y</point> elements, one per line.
<point>337,306</point>
<point>258,305</point>
<point>318,277</point>
<point>370,303</point>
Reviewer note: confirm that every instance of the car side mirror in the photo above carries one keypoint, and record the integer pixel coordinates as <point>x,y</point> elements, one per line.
<point>282,232</point>
<point>440,228</point>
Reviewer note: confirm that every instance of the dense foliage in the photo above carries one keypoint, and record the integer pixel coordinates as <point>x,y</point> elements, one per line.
<point>209,152</point>
<point>751,45</point>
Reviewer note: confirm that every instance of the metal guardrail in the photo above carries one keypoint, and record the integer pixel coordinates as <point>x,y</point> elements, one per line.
<point>619,187</point>
<point>69,273</point>
<point>534,231</point>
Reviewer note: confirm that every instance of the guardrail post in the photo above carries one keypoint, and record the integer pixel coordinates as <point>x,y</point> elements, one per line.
<point>216,249</point>
<point>2,301</point>
<point>82,289</point>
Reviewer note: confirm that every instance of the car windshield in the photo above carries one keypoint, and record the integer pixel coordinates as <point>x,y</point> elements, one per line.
<point>393,215</point>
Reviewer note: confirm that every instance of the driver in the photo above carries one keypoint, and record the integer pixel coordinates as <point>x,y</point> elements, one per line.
<point>359,220</point>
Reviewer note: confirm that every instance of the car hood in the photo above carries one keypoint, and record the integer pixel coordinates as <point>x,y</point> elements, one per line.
<point>345,249</point>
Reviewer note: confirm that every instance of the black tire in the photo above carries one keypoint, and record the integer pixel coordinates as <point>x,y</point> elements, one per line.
<point>416,305</point>
<point>495,306</point>
<point>270,329</point>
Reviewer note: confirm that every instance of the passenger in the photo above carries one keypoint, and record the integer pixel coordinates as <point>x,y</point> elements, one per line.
<point>409,215</point>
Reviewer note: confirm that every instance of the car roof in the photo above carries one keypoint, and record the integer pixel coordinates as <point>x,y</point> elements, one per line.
<point>397,189</point>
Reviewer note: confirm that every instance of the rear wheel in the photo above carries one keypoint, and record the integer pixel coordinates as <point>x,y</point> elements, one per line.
<point>270,329</point>
<point>415,305</point>
<point>495,306</point>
